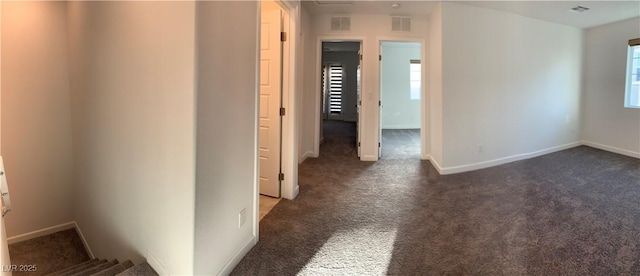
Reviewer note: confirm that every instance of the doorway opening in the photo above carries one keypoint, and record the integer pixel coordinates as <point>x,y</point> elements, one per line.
<point>270,126</point>
<point>340,93</point>
<point>401,71</point>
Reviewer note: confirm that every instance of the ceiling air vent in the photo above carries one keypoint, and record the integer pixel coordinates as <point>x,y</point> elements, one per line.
<point>400,24</point>
<point>340,23</point>
<point>579,9</point>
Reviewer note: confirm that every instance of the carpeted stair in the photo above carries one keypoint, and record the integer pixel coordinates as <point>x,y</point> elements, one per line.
<point>97,267</point>
<point>63,254</point>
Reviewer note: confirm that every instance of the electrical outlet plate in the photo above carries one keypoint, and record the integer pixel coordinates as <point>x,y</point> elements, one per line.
<point>242,217</point>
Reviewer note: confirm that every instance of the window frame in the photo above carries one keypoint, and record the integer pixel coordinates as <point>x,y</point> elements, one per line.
<point>415,63</point>
<point>634,45</point>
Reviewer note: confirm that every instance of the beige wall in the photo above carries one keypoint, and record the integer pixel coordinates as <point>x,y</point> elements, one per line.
<point>434,82</point>
<point>607,123</point>
<point>307,93</point>
<point>226,170</point>
<point>35,115</point>
<point>133,109</point>
<point>513,94</point>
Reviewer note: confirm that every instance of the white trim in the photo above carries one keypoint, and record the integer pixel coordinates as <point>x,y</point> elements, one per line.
<point>256,139</point>
<point>612,149</point>
<point>424,126</point>
<point>84,241</point>
<point>369,158</point>
<point>400,126</point>
<point>504,160</point>
<point>235,260</point>
<point>305,156</point>
<point>425,157</point>
<point>153,261</point>
<point>296,191</point>
<point>289,145</point>
<point>435,164</point>
<point>41,232</point>
<point>318,86</point>
<point>50,230</point>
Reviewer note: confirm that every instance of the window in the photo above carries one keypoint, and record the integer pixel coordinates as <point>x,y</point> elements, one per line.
<point>415,79</point>
<point>332,87</point>
<point>632,90</point>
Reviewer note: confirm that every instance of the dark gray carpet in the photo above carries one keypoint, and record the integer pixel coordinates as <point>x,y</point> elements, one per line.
<point>400,144</point>
<point>49,253</point>
<point>574,212</point>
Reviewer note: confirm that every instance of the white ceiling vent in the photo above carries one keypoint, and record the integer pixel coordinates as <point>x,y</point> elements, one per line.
<point>340,23</point>
<point>400,24</point>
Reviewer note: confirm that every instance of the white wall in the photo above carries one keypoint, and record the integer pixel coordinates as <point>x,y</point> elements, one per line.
<point>35,115</point>
<point>606,123</point>
<point>511,86</point>
<point>371,29</point>
<point>132,80</point>
<point>434,82</point>
<point>399,111</point>
<point>308,88</point>
<point>226,134</point>
<point>350,61</point>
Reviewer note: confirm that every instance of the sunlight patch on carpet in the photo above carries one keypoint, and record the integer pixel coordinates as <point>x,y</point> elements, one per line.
<point>364,251</point>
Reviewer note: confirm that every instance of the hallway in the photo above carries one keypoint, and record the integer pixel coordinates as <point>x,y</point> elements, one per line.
<point>570,212</point>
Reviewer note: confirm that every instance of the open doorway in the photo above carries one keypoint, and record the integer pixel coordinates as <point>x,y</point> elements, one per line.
<point>401,100</point>
<point>270,126</point>
<point>340,94</point>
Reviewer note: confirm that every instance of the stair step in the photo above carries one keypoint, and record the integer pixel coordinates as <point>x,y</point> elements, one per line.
<point>143,269</point>
<point>81,268</point>
<point>114,269</point>
<point>77,266</point>
<point>97,268</point>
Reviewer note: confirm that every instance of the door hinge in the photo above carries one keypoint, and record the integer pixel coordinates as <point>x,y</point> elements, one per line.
<point>282,111</point>
<point>360,56</point>
<point>379,103</point>
<point>358,144</point>
<point>281,176</point>
<point>379,57</point>
<point>283,36</point>
<point>378,144</point>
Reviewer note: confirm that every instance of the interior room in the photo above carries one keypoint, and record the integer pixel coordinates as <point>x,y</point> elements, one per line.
<point>400,94</point>
<point>133,134</point>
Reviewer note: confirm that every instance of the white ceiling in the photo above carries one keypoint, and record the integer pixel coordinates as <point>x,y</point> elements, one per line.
<point>600,13</point>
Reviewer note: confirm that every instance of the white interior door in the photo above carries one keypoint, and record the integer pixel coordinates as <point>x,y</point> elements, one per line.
<point>270,102</point>
<point>359,97</point>
<point>6,206</point>
<point>381,60</point>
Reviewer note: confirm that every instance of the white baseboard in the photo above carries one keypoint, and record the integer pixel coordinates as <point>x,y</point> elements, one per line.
<point>41,232</point>
<point>435,164</point>
<point>369,158</point>
<point>425,157</point>
<point>226,270</point>
<point>153,261</point>
<point>504,160</point>
<point>305,156</point>
<point>296,191</point>
<point>51,230</point>
<point>612,149</point>
<point>84,241</point>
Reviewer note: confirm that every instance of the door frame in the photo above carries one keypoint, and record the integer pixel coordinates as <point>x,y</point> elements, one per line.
<point>424,127</point>
<point>318,84</point>
<point>289,139</point>
<point>289,150</point>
